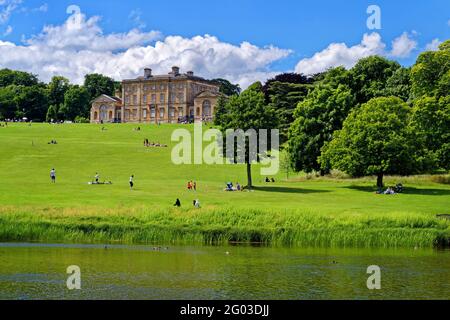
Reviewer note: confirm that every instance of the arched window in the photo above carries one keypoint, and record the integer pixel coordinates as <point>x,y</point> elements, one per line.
<point>103,110</point>
<point>206,108</point>
<point>95,115</point>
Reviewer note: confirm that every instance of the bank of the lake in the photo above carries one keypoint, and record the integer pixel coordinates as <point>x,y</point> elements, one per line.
<point>293,228</point>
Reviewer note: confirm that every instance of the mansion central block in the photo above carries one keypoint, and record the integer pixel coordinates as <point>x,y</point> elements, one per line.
<point>171,98</point>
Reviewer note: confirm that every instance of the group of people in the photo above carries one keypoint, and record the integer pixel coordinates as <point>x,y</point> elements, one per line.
<point>392,190</point>
<point>148,144</point>
<point>192,186</point>
<point>53,142</point>
<point>231,187</point>
<point>272,180</point>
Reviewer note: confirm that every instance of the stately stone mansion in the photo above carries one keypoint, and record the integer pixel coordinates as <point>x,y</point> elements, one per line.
<point>170,98</point>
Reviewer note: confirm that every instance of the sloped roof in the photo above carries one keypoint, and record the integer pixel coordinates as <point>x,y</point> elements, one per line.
<point>105,96</point>
<point>208,94</point>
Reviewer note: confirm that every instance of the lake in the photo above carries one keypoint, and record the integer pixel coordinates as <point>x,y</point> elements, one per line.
<point>38,271</point>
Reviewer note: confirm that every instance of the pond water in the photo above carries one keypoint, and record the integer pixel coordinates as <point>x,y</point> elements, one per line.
<point>38,271</point>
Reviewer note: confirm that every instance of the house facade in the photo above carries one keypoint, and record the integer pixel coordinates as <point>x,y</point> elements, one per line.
<point>171,98</point>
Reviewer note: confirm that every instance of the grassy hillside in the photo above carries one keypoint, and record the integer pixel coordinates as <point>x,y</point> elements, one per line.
<point>319,212</point>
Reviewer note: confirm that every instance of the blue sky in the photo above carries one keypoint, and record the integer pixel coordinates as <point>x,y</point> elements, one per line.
<point>301,28</point>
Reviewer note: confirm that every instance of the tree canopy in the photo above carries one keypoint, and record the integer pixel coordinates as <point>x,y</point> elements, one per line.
<point>376,139</point>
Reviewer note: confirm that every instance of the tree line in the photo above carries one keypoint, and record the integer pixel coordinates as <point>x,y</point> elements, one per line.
<point>22,95</point>
<point>377,118</point>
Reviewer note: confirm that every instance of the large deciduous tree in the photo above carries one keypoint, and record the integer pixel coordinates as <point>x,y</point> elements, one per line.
<point>376,139</point>
<point>322,113</point>
<point>430,75</point>
<point>18,78</point>
<point>227,88</point>
<point>32,102</point>
<point>246,112</point>
<point>76,103</point>
<point>431,118</point>
<point>97,84</point>
<point>370,77</point>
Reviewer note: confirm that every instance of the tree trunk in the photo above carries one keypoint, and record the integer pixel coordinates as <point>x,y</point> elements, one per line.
<point>380,184</point>
<point>249,176</point>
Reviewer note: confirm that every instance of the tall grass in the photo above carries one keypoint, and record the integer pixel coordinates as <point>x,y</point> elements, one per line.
<point>219,226</point>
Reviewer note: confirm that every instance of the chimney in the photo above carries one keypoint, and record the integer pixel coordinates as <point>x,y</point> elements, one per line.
<point>190,73</point>
<point>175,71</point>
<point>147,73</point>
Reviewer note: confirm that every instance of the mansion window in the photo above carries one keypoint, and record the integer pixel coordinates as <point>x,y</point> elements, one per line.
<point>154,87</point>
<point>144,113</point>
<point>162,87</point>
<point>127,99</point>
<point>207,108</point>
<point>180,112</point>
<point>135,99</point>
<point>161,113</point>
<point>153,98</point>
<point>153,112</point>
<point>162,98</point>
<point>145,98</point>
<point>172,112</point>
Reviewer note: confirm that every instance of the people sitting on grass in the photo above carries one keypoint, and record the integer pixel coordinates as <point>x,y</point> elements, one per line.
<point>177,203</point>
<point>389,191</point>
<point>53,142</point>
<point>238,187</point>
<point>230,187</point>
<point>197,204</point>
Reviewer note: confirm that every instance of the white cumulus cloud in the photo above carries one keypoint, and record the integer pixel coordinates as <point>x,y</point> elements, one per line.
<point>433,45</point>
<point>339,54</point>
<point>403,46</point>
<point>79,46</point>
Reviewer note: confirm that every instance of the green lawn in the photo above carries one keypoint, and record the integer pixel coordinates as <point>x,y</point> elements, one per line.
<point>294,212</point>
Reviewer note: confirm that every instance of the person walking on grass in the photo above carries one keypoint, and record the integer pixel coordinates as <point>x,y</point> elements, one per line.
<point>53,175</point>
<point>131,182</point>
